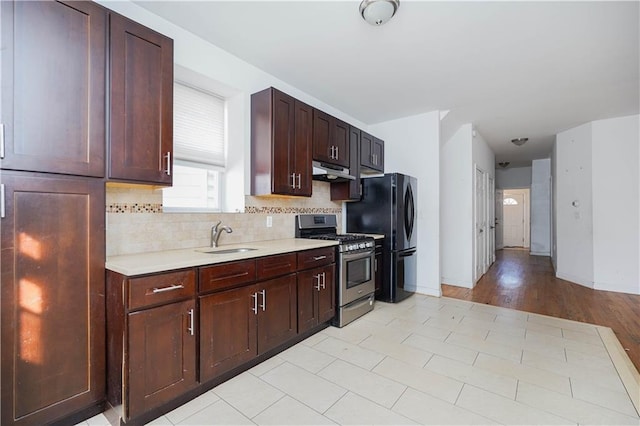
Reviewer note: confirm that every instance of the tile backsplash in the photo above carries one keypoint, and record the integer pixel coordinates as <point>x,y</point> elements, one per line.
<point>136,223</point>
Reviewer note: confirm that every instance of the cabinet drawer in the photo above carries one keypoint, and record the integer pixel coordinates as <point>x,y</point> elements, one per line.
<point>161,288</point>
<point>227,275</point>
<point>317,257</point>
<point>274,266</point>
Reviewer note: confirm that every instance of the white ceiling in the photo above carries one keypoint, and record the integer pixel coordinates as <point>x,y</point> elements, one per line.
<point>513,69</point>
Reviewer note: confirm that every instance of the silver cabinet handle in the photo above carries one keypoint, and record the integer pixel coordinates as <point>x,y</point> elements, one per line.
<point>254,296</point>
<point>168,169</point>
<point>337,152</point>
<point>1,140</point>
<point>293,180</point>
<point>264,300</point>
<point>317,287</point>
<point>316,258</point>
<point>168,288</point>
<point>191,328</point>
<point>324,279</point>
<point>2,207</point>
<point>299,181</point>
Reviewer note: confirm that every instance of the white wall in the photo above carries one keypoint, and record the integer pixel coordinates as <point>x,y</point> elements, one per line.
<point>541,207</point>
<point>459,157</point>
<point>574,224</point>
<point>616,204</point>
<point>456,209</point>
<point>232,77</point>
<point>554,203</point>
<point>412,146</point>
<point>513,177</point>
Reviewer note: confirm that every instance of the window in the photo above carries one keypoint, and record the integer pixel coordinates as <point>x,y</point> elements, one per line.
<point>198,150</point>
<point>509,202</point>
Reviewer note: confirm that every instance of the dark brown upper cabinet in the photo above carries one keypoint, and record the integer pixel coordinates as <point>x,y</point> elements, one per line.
<point>53,89</point>
<point>352,190</point>
<point>371,154</point>
<point>141,145</point>
<point>281,136</point>
<point>330,139</point>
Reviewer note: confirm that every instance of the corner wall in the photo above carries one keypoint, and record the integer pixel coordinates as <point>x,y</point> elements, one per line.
<point>574,223</point>
<point>616,204</point>
<point>422,160</point>
<point>456,209</point>
<point>541,207</point>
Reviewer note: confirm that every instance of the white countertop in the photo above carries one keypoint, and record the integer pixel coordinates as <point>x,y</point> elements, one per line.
<point>146,263</point>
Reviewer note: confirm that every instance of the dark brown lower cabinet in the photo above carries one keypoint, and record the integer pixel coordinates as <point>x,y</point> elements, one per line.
<point>162,355</point>
<point>52,310</point>
<point>277,321</point>
<point>228,330</point>
<point>237,325</point>
<point>316,297</point>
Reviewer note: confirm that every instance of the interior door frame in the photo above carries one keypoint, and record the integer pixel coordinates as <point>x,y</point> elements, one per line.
<point>479,223</point>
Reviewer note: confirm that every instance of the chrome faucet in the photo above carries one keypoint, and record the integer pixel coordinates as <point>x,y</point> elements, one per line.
<point>215,232</point>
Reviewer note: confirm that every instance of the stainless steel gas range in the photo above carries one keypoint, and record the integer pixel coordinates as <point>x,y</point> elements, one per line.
<point>355,275</point>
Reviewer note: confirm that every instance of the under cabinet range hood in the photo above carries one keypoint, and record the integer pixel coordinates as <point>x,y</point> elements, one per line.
<point>330,173</point>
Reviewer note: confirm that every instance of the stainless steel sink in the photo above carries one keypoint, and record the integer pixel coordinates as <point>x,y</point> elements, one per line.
<point>226,251</point>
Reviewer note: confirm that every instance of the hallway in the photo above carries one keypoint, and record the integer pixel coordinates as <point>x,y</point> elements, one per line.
<point>519,281</point>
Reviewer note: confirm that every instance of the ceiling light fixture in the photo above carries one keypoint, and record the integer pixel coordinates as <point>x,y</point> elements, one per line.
<point>503,164</point>
<point>377,12</point>
<point>519,141</point>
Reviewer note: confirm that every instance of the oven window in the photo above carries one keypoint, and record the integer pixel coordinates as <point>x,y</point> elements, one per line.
<point>358,271</point>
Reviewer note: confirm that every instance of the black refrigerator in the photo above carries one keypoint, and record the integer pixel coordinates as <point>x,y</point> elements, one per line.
<point>388,207</point>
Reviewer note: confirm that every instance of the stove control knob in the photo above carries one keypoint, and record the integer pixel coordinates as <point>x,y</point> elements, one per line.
<point>362,245</point>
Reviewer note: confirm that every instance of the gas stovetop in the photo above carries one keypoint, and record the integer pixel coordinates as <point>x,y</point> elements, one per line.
<point>324,227</point>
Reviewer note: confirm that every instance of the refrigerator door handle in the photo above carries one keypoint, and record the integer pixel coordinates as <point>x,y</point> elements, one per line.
<point>407,253</point>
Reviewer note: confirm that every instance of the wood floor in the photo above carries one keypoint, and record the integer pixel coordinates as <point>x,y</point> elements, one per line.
<point>519,281</point>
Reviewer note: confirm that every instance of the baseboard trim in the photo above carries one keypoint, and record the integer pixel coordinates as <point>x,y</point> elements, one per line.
<point>456,283</point>
<point>574,279</point>
<point>540,253</point>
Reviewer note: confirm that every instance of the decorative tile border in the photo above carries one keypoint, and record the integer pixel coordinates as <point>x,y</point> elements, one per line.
<point>134,208</point>
<point>296,210</point>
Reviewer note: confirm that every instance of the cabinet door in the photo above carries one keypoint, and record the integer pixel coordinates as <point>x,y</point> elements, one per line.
<point>227,330</point>
<point>340,138</point>
<point>327,294</point>
<point>352,190</point>
<point>277,321</point>
<point>303,137</point>
<point>284,180</point>
<point>371,152</point>
<point>308,284</point>
<point>141,144</point>
<point>323,149</point>
<point>53,86</point>
<point>52,297</point>
<point>162,355</point>
<point>378,154</point>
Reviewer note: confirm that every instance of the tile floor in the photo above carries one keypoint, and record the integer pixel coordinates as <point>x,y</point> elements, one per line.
<point>427,361</point>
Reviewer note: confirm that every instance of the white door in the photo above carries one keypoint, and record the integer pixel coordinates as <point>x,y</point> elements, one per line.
<point>513,209</point>
<point>499,219</point>
<point>491,215</point>
<point>480,221</point>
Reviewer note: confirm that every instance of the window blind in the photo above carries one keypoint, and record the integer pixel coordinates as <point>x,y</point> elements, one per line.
<point>198,126</point>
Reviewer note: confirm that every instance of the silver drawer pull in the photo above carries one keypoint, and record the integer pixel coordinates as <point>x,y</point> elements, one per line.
<point>319,257</point>
<point>169,288</point>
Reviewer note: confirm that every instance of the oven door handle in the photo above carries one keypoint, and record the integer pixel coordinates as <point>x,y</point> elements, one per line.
<point>360,255</point>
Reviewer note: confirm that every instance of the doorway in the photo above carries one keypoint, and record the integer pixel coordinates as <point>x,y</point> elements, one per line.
<point>515,218</point>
